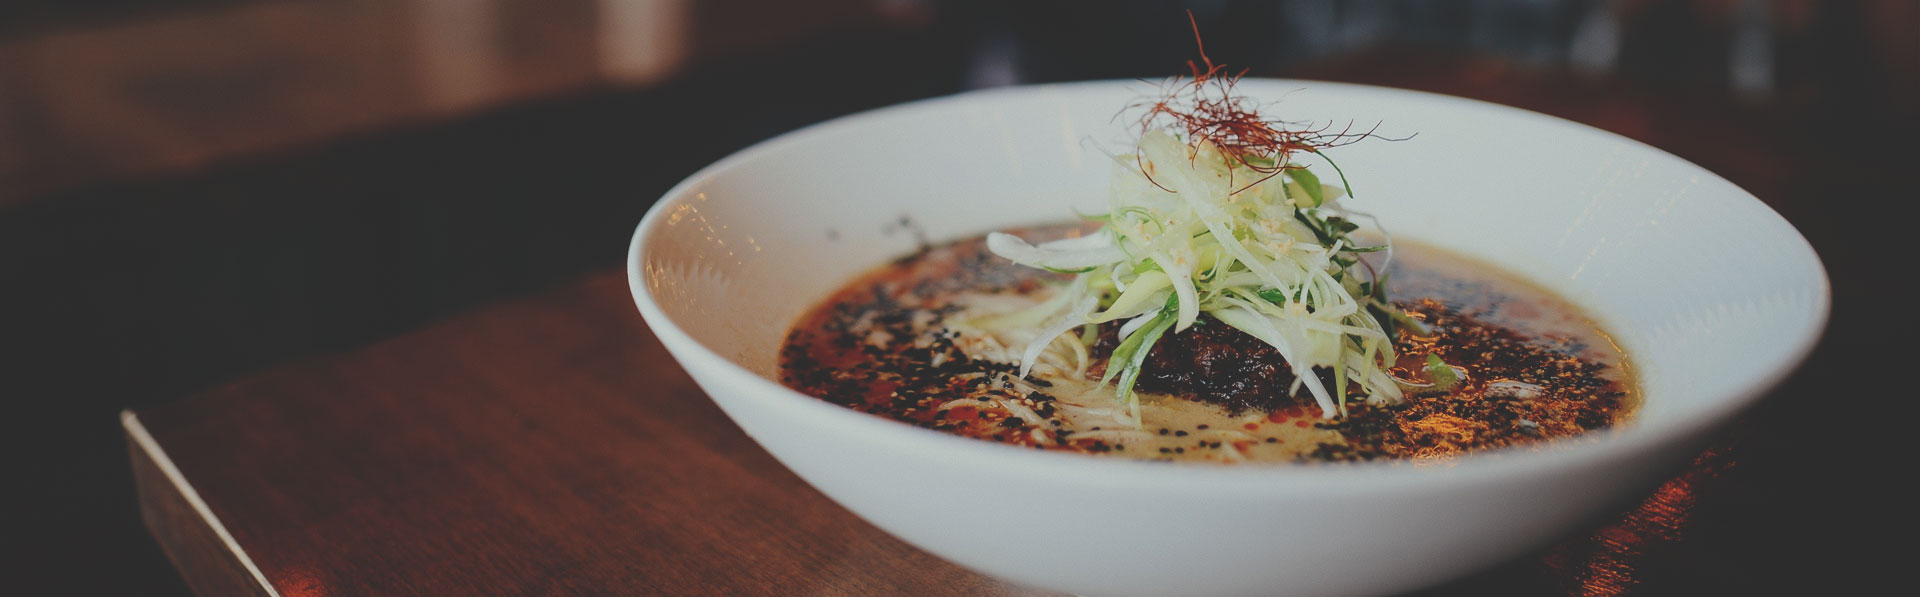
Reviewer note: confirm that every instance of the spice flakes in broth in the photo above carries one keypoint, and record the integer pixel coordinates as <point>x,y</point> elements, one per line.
<point>902,341</point>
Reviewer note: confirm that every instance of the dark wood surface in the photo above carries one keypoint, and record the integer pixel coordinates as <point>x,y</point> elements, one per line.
<point>545,446</point>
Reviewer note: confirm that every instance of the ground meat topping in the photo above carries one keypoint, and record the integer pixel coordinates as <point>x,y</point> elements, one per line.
<point>1211,362</point>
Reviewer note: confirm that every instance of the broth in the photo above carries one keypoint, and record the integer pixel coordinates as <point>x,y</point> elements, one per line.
<point>901,342</point>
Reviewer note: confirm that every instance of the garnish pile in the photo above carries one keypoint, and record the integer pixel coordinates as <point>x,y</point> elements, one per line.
<point>1217,211</point>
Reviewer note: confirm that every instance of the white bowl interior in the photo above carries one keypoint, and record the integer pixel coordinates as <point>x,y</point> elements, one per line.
<point>1711,294</point>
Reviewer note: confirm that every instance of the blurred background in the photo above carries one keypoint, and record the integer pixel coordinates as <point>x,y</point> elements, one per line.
<point>193,190</point>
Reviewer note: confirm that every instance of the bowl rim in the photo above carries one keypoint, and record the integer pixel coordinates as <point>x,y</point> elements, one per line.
<point>1581,451</point>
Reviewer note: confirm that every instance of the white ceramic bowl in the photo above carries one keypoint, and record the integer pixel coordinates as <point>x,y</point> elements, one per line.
<point>1714,297</point>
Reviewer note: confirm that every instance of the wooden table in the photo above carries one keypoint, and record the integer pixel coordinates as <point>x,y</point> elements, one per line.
<point>586,462</point>
<point>551,446</point>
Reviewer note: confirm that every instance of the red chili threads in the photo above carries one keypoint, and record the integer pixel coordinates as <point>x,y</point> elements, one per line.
<point>1205,107</point>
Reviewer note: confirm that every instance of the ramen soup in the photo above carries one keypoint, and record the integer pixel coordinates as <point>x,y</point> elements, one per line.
<point>1500,363</point>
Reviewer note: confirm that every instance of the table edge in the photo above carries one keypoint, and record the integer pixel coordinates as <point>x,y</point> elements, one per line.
<point>144,443</point>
